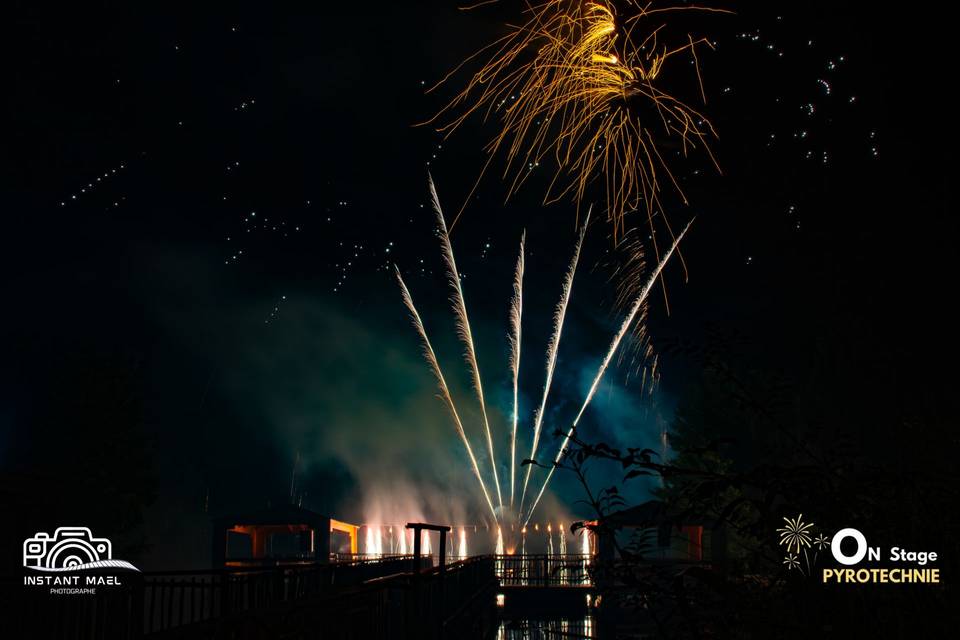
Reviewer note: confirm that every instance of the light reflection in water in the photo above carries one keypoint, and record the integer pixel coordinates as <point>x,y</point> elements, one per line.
<point>543,629</point>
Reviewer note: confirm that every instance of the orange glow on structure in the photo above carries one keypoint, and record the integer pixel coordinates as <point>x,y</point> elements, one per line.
<point>349,529</point>
<point>694,541</point>
<point>260,533</point>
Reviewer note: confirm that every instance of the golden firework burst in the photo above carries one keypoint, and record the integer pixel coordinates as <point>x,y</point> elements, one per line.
<point>796,534</point>
<point>580,85</point>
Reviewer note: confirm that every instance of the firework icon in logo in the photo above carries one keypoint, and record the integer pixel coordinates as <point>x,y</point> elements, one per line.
<point>796,534</point>
<point>791,561</point>
<point>821,542</point>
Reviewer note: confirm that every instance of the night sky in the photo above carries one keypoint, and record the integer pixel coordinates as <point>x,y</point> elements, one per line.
<point>202,207</point>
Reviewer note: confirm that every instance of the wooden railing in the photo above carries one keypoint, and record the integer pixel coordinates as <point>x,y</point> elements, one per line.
<point>177,598</point>
<point>432,604</point>
<point>570,570</point>
<point>379,598</point>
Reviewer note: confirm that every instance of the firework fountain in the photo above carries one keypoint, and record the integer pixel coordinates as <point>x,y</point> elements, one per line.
<point>505,518</point>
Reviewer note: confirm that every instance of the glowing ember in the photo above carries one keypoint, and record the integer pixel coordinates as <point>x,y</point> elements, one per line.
<point>373,541</point>
<point>427,550</point>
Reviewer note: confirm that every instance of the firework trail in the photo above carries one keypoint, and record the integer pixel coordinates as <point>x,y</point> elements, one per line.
<point>552,347</point>
<point>614,345</point>
<point>293,478</point>
<point>463,328</point>
<point>516,315</point>
<point>431,357</point>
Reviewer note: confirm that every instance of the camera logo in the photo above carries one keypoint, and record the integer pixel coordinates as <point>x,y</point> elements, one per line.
<point>70,549</point>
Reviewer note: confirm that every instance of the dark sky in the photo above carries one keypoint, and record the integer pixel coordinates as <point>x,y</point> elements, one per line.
<point>206,201</point>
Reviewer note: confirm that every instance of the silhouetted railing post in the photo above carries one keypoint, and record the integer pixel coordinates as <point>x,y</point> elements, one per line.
<point>137,604</point>
<point>416,547</point>
<point>372,596</point>
<point>420,526</point>
<point>443,550</point>
<point>225,604</point>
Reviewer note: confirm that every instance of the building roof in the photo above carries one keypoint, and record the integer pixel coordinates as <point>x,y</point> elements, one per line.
<point>284,514</point>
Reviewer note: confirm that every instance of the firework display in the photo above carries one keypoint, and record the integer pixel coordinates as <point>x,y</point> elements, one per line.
<point>431,357</point>
<point>516,317</point>
<point>552,347</point>
<point>466,336</point>
<point>614,346</point>
<point>582,85</point>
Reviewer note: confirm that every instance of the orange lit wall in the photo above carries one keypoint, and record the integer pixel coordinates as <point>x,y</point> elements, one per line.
<point>694,535</point>
<point>349,529</point>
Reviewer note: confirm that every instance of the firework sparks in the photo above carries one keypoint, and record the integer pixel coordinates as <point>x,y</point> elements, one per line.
<point>581,83</point>
<point>516,315</point>
<point>821,542</point>
<point>614,345</point>
<point>795,534</point>
<point>552,347</point>
<point>431,358</point>
<point>463,329</point>
<point>465,334</point>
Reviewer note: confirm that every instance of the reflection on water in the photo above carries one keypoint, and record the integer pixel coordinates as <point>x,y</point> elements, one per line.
<point>536,629</point>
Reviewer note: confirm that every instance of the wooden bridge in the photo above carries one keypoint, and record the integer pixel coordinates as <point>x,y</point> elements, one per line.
<point>543,585</point>
<point>389,597</point>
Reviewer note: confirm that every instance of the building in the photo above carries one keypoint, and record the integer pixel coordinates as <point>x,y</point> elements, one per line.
<point>278,536</point>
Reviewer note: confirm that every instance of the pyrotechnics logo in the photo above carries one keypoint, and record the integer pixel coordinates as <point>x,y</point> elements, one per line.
<point>803,543</point>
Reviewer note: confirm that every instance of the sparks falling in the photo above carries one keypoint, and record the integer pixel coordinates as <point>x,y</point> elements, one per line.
<point>464,331</point>
<point>581,84</point>
<point>614,346</point>
<point>516,316</point>
<point>431,358</point>
<point>552,347</point>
